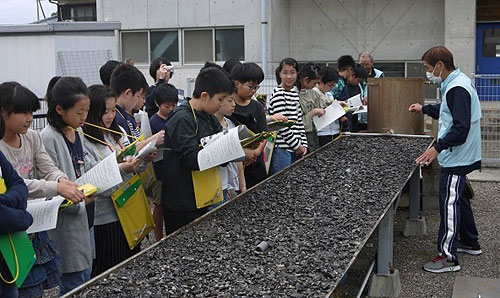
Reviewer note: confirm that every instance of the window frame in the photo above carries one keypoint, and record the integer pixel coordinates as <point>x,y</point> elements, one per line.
<point>225,28</point>
<point>140,63</point>
<point>184,44</point>
<point>181,43</point>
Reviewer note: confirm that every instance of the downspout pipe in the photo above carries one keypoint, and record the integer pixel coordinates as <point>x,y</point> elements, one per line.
<point>263,22</point>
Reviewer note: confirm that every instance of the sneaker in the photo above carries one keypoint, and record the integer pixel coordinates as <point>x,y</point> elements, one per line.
<point>441,264</point>
<point>471,250</point>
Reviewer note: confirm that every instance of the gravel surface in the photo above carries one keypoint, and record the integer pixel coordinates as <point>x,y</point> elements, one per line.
<point>411,253</point>
<point>314,217</point>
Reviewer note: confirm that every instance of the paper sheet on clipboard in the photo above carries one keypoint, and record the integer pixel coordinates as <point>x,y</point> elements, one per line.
<point>332,113</point>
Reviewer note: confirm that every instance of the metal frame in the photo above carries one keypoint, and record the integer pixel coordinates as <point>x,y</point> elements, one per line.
<point>489,96</point>
<point>384,223</point>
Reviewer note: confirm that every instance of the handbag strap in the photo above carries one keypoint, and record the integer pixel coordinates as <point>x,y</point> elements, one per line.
<point>17,264</point>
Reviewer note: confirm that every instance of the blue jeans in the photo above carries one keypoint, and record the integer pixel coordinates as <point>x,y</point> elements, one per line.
<point>226,198</point>
<point>71,280</point>
<point>88,271</point>
<point>281,159</point>
<point>8,290</point>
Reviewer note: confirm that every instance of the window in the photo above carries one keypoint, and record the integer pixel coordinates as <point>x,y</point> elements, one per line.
<point>134,45</point>
<point>229,43</point>
<point>165,44</point>
<point>198,46</point>
<point>491,42</point>
<point>77,12</point>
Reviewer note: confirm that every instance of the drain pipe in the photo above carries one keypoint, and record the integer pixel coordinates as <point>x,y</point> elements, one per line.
<point>363,285</point>
<point>263,22</point>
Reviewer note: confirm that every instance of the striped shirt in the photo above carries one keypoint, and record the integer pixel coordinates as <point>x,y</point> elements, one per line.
<point>287,104</point>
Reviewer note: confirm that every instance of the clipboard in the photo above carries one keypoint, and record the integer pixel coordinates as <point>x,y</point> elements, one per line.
<point>268,151</point>
<point>207,187</point>
<point>133,211</point>
<point>18,254</point>
<point>277,125</point>
<point>130,150</point>
<point>16,250</point>
<point>88,190</point>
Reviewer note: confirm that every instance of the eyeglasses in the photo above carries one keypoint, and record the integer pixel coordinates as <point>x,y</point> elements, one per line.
<point>253,87</point>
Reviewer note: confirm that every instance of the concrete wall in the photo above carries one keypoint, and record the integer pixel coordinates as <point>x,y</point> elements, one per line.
<point>314,30</point>
<point>28,60</point>
<point>322,30</point>
<point>460,33</point>
<point>171,14</point>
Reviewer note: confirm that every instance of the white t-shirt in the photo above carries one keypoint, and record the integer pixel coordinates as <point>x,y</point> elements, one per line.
<point>229,174</point>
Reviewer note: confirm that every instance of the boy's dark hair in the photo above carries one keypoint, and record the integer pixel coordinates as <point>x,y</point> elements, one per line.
<point>345,62</point>
<point>98,95</point>
<point>155,64</point>
<point>247,72</point>
<point>165,93</point>
<point>15,98</point>
<point>127,77</point>
<point>329,74</point>
<point>230,63</point>
<point>309,70</point>
<point>360,72</point>
<point>213,81</point>
<point>212,64</point>
<point>106,70</point>
<point>65,93</point>
<point>439,53</point>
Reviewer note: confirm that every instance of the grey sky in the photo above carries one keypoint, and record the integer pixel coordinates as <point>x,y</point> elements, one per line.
<point>23,11</point>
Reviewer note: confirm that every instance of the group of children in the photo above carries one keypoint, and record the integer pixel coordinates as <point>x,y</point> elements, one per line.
<point>87,124</point>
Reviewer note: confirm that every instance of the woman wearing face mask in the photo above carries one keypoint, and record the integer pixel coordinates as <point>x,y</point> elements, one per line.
<point>458,150</point>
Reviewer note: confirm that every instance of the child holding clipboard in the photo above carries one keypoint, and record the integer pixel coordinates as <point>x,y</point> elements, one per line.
<point>13,214</point>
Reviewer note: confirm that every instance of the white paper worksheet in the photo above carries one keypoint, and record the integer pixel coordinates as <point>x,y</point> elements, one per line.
<point>224,149</point>
<point>355,101</point>
<point>142,117</point>
<point>44,213</point>
<point>332,113</point>
<point>103,175</point>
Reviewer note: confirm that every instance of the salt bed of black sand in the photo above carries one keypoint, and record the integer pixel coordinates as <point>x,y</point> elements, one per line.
<point>315,217</point>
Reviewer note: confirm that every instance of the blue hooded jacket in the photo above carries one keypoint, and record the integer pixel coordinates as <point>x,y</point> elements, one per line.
<point>13,214</point>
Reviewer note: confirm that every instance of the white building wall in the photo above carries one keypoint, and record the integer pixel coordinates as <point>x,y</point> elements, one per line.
<point>28,60</point>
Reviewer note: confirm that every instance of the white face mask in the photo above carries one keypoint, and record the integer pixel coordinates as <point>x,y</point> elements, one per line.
<point>433,78</point>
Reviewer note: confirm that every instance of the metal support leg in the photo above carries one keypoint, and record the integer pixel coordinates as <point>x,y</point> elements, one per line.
<point>415,194</point>
<point>415,225</point>
<point>385,241</point>
<point>386,282</point>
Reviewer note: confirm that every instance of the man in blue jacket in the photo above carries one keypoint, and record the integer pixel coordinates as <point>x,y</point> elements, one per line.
<point>458,150</point>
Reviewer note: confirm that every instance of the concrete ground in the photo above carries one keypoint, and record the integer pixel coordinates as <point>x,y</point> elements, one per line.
<point>411,253</point>
<point>485,174</point>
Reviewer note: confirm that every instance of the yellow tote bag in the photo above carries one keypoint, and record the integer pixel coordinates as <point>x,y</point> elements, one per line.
<point>207,187</point>
<point>148,176</point>
<point>133,210</point>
